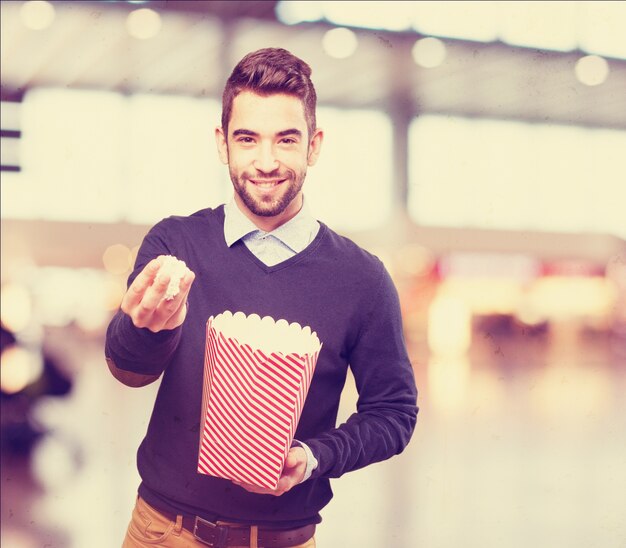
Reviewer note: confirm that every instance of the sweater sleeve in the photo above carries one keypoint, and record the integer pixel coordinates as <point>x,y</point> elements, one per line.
<point>134,349</point>
<point>386,408</point>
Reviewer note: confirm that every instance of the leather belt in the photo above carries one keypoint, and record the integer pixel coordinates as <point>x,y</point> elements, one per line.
<point>223,535</point>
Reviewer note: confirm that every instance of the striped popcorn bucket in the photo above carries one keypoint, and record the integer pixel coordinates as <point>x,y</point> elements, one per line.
<point>257,373</point>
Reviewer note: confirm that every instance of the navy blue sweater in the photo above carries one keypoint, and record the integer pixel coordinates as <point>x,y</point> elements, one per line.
<point>340,291</point>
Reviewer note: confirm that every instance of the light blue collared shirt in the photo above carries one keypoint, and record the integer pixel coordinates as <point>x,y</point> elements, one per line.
<point>272,247</point>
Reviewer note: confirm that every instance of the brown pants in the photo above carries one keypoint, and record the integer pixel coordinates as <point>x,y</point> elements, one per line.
<point>149,528</point>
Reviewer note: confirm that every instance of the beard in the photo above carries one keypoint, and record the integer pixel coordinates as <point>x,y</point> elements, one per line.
<point>270,205</point>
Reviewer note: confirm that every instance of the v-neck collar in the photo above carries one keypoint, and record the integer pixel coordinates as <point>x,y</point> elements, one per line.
<point>296,234</point>
<point>240,247</point>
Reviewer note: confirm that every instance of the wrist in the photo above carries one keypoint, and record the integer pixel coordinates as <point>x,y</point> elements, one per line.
<point>311,461</point>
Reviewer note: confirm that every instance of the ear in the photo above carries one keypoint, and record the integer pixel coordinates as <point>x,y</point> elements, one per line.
<point>315,147</point>
<point>222,145</point>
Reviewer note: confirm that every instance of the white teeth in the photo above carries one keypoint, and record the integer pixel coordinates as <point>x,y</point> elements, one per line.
<point>265,185</point>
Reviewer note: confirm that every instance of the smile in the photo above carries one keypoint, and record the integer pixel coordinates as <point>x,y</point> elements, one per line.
<point>264,184</point>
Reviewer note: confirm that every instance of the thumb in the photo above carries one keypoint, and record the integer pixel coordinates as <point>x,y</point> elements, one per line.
<point>292,460</point>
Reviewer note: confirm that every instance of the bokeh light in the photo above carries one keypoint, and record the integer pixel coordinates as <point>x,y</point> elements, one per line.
<point>592,70</point>
<point>15,306</point>
<point>448,379</point>
<point>37,14</point>
<point>53,463</point>
<point>429,52</point>
<point>340,43</point>
<point>117,259</point>
<point>449,326</point>
<point>20,367</point>
<point>143,23</point>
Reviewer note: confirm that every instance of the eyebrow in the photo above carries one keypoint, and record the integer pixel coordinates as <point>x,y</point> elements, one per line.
<point>283,133</point>
<point>244,132</point>
<point>292,131</point>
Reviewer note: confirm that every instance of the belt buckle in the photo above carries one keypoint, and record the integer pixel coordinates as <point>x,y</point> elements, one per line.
<point>221,533</point>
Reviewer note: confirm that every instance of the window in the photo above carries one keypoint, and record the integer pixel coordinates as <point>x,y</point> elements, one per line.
<point>511,175</point>
<point>94,156</point>
<point>350,187</point>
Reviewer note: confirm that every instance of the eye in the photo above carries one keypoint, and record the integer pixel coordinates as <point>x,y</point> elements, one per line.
<point>288,141</point>
<point>245,139</point>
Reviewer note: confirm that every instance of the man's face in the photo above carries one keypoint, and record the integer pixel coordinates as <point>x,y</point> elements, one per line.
<point>268,150</point>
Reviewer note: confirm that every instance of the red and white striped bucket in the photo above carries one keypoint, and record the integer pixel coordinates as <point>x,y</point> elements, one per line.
<point>253,395</point>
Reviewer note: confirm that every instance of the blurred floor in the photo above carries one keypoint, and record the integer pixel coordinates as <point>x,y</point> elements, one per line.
<point>521,444</point>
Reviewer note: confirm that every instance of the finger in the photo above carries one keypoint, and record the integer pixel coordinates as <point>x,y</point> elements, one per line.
<point>141,283</point>
<point>184,287</point>
<point>186,282</point>
<point>173,304</point>
<point>173,312</point>
<point>284,484</point>
<point>155,293</point>
<point>291,460</point>
<point>143,313</point>
<point>281,488</point>
<point>295,456</point>
<point>254,488</point>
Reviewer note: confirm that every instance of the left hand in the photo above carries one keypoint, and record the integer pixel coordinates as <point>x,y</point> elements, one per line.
<point>292,474</point>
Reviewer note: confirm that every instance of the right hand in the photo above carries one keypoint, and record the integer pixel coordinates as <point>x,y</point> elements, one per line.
<point>144,300</point>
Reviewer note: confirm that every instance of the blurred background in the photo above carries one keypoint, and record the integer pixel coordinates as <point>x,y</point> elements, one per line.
<point>476,147</point>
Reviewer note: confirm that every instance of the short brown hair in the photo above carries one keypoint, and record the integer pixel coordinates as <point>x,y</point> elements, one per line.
<point>268,71</point>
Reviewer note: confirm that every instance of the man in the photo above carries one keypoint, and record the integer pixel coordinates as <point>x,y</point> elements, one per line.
<point>262,253</point>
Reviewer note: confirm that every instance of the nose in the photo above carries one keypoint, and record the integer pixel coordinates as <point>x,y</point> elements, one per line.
<point>265,160</point>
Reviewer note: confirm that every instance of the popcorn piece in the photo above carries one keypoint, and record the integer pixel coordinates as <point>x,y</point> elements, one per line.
<point>176,270</point>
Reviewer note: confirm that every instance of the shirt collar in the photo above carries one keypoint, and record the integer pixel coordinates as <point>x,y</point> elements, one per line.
<point>296,233</point>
